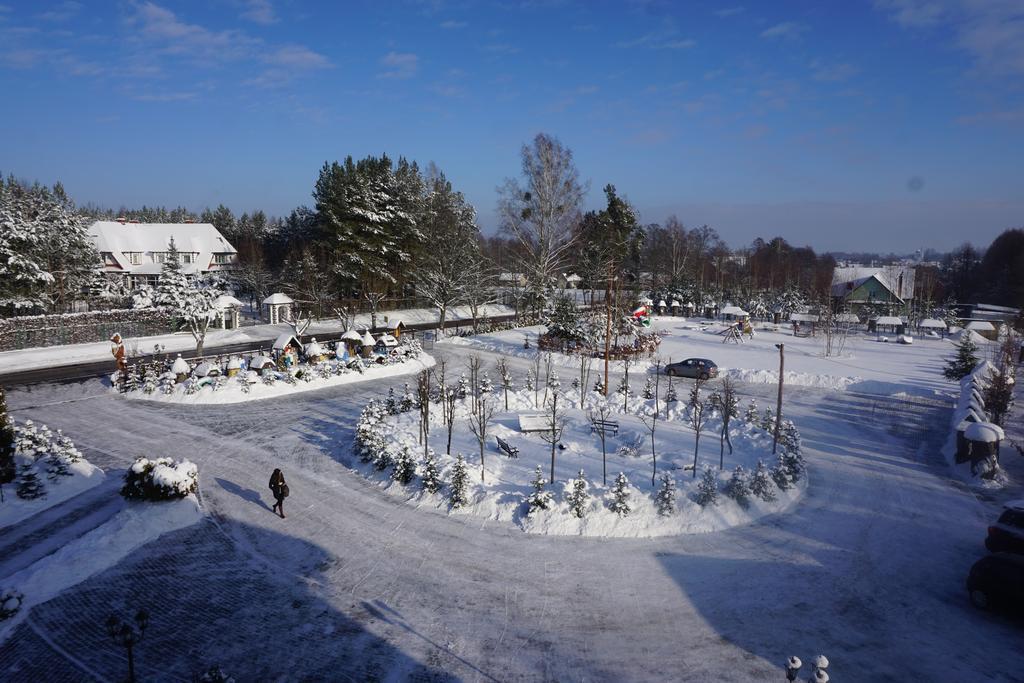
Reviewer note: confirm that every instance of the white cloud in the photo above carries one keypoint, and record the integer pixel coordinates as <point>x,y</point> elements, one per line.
<point>727,12</point>
<point>297,57</point>
<point>990,31</point>
<point>259,11</point>
<point>400,65</point>
<point>787,30</point>
<point>833,73</point>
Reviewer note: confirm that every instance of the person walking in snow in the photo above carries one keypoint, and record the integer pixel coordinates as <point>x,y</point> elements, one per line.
<point>280,490</point>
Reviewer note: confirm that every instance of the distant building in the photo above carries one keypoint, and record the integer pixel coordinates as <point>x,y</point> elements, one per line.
<point>136,251</point>
<point>858,286</point>
<point>569,281</point>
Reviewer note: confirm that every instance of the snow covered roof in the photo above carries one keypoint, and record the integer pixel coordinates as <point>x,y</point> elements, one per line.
<point>847,318</point>
<point>180,366</point>
<point>888,320</point>
<point>119,239</point>
<point>980,326</point>
<point>234,363</point>
<point>897,279</point>
<point>205,368</point>
<point>367,339</point>
<point>387,340</point>
<point>278,298</point>
<point>225,301</point>
<point>351,335</point>
<point>933,323</point>
<point>984,431</point>
<point>732,310</point>
<point>662,303</point>
<point>260,362</point>
<point>285,339</point>
<point>675,304</point>
<point>803,317</point>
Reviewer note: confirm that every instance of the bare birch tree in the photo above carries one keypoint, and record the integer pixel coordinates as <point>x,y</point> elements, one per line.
<point>540,211</point>
<point>480,420</point>
<point>698,417</point>
<point>598,416</point>
<point>555,423</point>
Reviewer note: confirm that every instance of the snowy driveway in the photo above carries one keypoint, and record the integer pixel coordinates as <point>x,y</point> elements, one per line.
<point>358,585</point>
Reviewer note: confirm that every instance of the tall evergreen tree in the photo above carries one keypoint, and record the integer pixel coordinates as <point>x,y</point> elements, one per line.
<point>8,469</point>
<point>964,361</point>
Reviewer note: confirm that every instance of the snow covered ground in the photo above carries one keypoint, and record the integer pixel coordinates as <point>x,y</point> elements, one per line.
<point>98,550</point>
<point>51,356</point>
<point>83,476</point>
<point>506,482</point>
<point>867,568</point>
<point>865,364</point>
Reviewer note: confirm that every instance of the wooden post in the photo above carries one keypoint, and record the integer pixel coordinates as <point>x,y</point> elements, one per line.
<point>778,404</point>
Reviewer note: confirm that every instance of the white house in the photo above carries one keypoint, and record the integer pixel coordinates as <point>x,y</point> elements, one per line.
<point>136,251</point>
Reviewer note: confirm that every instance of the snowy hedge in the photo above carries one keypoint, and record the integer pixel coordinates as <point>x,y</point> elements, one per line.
<point>160,479</point>
<point>77,328</point>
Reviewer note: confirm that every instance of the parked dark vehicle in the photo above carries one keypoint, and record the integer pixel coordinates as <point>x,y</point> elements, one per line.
<point>997,581</point>
<point>1007,534</point>
<point>693,367</point>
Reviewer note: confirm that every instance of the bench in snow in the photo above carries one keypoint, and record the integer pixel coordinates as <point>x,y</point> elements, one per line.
<point>534,423</point>
<point>605,426</point>
<point>504,447</point>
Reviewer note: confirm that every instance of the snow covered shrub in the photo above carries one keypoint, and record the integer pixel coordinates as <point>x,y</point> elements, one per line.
<point>648,391</point>
<point>620,493</point>
<point>666,497</point>
<point>599,386</point>
<point>214,675</point>
<point>149,380</point>
<point>624,389</point>
<point>29,486</point>
<point>391,403</point>
<point>160,479</point>
<point>243,383</point>
<point>432,482</point>
<point>707,488</point>
<point>578,497</point>
<point>632,450</point>
<point>133,381</point>
<point>487,387</point>
<point>268,376</point>
<point>323,370</point>
<point>167,382</point>
<point>289,379</point>
<point>219,382</point>
<point>539,499</point>
<point>780,475</point>
<point>462,389</point>
<point>371,437</point>
<point>671,395</point>
<point>768,420</point>
<point>458,495</point>
<point>751,415</point>
<point>529,380</point>
<point>553,381</point>
<point>192,386</point>
<point>761,483</point>
<point>738,486</point>
<point>405,467</point>
<point>10,603</point>
<point>408,401</point>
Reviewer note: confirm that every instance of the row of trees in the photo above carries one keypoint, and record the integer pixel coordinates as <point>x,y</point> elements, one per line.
<point>387,228</point>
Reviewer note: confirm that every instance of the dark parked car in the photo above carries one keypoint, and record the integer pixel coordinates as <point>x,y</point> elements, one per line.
<point>693,367</point>
<point>1007,534</point>
<point>997,581</point>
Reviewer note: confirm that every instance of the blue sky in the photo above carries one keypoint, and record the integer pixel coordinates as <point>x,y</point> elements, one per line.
<point>844,125</point>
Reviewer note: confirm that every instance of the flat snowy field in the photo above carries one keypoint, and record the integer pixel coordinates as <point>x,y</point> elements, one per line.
<point>867,568</point>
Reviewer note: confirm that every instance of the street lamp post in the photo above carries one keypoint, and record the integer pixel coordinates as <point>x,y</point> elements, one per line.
<point>128,635</point>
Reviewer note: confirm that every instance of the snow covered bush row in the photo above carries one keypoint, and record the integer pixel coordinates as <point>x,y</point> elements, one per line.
<point>387,438</point>
<point>160,479</point>
<point>41,456</point>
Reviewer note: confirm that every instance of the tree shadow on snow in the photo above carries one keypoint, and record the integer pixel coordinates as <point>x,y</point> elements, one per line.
<point>211,604</point>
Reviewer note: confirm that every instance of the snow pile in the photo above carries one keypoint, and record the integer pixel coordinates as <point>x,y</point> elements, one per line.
<point>50,470</point>
<point>160,479</point>
<point>802,379</point>
<point>581,501</point>
<point>98,550</point>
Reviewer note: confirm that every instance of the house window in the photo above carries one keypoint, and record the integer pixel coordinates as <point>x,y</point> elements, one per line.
<point>134,257</point>
<point>188,257</point>
<point>222,259</point>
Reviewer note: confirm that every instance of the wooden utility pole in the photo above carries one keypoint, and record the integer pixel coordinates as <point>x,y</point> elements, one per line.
<point>608,331</point>
<point>778,404</point>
